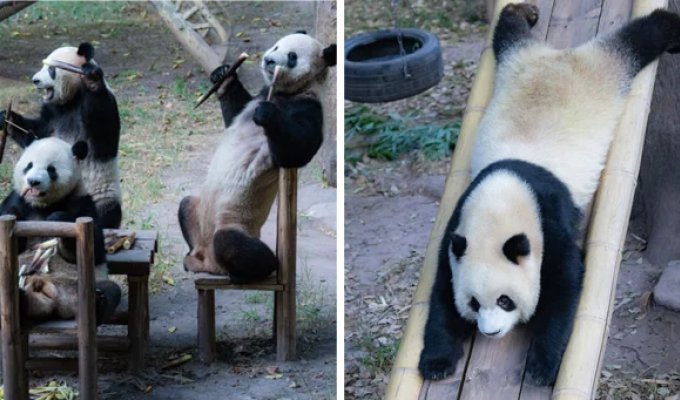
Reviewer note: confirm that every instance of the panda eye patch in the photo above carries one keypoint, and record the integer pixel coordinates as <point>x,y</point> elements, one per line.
<point>28,167</point>
<point>506,303</point>
<point>52,172</point>
<point>474,304</point>
<point>52,71</point>
<point>292,59</point>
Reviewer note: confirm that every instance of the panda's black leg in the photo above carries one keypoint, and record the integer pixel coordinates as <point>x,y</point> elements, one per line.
<point>109,216</point>
<point>644,39</point>
<point>245,258</point>
<point>108,295</point>
<point>188,221</point>
<point>233,96</point>
<point>445,330</point>
<point>514,27</point>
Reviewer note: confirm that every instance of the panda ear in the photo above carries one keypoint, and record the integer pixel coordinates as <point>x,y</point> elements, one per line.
<point>458,245</point>
<point>79,150</point>
<point>515,247</point>
<point>302,31</point>
<point>86,50</point>
<point>330,55</point>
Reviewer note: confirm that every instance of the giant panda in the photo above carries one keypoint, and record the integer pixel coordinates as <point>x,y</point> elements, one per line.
<point>509,254</point>
<point>222,223</point>
<point>79,107</point>
<point>48,187</point>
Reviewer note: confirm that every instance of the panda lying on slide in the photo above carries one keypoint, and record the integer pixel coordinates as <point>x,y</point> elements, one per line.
<point>48,187</point>
<point>79,107</point>
<point>509,253</point>
<point>222,223</point>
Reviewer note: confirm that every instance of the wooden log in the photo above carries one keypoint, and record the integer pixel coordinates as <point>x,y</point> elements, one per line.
<point>138,330</point>
<point>70,342</point>
<point>191,41</point>
<point>9,8</point>
<point>5,131</point>
<point>54,364</point>
<point>207,345</point>
<point>204,281</point>
<point>45,228</point>
<point>87,328</point>
<point>13,370</point>
<point>286,242</point>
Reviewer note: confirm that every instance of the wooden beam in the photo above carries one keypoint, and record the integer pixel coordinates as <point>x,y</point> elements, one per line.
<point>9,8</point>
<point>87,326</point>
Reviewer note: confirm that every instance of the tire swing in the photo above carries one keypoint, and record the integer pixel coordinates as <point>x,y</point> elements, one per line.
<point>391,64</point>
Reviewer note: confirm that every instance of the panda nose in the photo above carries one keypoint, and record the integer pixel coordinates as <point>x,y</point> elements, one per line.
<point>36,81</point>
<point>268,61</point>
<point>34,182</point>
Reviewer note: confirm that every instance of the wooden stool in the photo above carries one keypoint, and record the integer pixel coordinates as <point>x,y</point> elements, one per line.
<point>283,284</point>
<point>135,263</point>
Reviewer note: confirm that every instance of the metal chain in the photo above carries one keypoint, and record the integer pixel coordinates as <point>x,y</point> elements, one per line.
<point>400,37</point>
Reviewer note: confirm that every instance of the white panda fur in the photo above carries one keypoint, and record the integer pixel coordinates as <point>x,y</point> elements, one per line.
<point>510,254</point>
<point>241,183</point>
<point>48,186</point>
<point>80,107</point>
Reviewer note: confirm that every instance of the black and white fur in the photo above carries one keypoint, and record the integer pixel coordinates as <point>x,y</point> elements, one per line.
<point>222,224</point>
<point>48,187</point>
<point>510,254</point>
<point>79,108</point>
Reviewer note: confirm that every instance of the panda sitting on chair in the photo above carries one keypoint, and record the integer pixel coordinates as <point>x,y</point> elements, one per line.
<point>48,187</point>
<point>222,224</point>
<point>79,107</point>
<point>509,254</point>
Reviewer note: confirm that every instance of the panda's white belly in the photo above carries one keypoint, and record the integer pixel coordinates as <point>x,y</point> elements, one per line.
<point>555,109</point>
<point>241,183</point>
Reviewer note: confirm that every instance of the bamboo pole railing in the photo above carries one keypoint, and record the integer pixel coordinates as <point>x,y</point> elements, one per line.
<point>582,361</point>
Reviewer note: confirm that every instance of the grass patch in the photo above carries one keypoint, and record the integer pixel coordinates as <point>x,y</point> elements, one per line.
<point>314,307</point>
<point>388,137</point>
<point>379,357</point>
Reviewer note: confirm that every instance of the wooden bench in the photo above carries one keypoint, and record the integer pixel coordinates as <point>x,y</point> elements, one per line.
<point>282,283</point>
<point>80,334</point>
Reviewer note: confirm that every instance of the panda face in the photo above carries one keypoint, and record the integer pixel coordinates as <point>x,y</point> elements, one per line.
<point>59,85</point>
<point>302,61</point>
<point>495,255</point>
<point>48,170</point>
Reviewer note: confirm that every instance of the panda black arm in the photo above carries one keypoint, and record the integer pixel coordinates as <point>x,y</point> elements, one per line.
<point>445,330</point>
<point>294,133</point>
<point>15,205</point>
<point>232,95</point>
<point>101,121</point>
<point>39,127</point>
<point>71,209</point>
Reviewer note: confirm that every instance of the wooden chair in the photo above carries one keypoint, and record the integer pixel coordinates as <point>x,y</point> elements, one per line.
<point>492,369</point>
<point>283,284</point>
<point>14,337</point>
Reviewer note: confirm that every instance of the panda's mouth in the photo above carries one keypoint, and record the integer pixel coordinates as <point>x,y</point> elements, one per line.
<point>32,193</point>
<point>49,93</point>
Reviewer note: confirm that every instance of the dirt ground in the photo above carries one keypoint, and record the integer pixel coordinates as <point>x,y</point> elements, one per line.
<point>389,213</point>
<point>165,149</point>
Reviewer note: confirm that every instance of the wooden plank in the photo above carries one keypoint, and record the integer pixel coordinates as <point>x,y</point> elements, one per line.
<point>573,22</point>
<point>496,366</point>
<point>615,13</point>
<point>87,328</point>
<point>138,330</point>
<point>13,371</point>
<point>45,228</point>
<point>545,9</point>
<point>53,364</point>
<point>207,345</point>
<point>218,282</point>
<point>70,342</point>
<point>286,242</point>
<point>447,388</point>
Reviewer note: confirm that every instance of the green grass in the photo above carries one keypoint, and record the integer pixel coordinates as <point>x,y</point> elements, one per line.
<point>388,137</point>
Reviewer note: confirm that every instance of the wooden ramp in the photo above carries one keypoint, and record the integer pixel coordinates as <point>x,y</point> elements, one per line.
<point>495,369</point>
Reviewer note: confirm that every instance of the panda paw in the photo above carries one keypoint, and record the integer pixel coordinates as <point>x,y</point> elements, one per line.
<point>266,114</point>
<point>93,75</point>
<point>527,11</point>
<point>107,299</point>
<point>218,73</point>
<point>436,364</point>
<point>542,367</point>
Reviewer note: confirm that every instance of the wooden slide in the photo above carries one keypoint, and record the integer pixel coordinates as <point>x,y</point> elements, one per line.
<point>493,369</point>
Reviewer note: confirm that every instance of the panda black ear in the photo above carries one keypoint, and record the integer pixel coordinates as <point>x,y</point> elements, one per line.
<point>458,245</point>
<point>302,31</point>
<point>79,150</point>
<point>515,247</point>
<point>86,50</point>
<point>330,55</point>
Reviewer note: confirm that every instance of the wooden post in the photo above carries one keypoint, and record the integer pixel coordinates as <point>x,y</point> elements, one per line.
<point>87,327</point>
<point>207,346</point>
<point>286,242</point>
<point>138,328</point>
<point>13,369</point>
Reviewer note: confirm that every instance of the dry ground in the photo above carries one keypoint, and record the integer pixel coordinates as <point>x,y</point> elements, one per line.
<point>165,149</point>
<point>390,209</point>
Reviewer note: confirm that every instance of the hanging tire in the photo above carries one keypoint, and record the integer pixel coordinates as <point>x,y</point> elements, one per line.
<point>374,67</point>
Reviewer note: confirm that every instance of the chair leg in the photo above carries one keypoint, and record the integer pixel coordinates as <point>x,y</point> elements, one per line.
<point>207,346</point>
<point>285,323</point>
<point>138,329</point>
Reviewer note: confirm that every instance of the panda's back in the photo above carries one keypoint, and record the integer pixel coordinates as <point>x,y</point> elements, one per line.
<point>556,109</point>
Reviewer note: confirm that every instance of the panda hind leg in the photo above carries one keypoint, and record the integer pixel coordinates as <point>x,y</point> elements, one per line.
<point>244,258</point>
<point>514,28</point>
<point>188,220</point>
<point>108,296</point>
<point>109,216</point>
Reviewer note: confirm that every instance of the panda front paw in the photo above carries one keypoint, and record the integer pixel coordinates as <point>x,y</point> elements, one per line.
<point>436,364</point>
<point>92,75</point>
<point>218,73</point>
<point>542,366</point>
<point>266,114</point>
<point>527,11</point>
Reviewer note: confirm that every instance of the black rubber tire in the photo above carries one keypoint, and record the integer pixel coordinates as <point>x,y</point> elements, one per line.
<point>374,70</point>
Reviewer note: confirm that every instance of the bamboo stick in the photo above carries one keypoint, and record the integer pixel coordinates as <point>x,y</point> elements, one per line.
<point>405,380</point>
<point>582,360</point>
<point>5,130</point>
<point>230,72</point>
